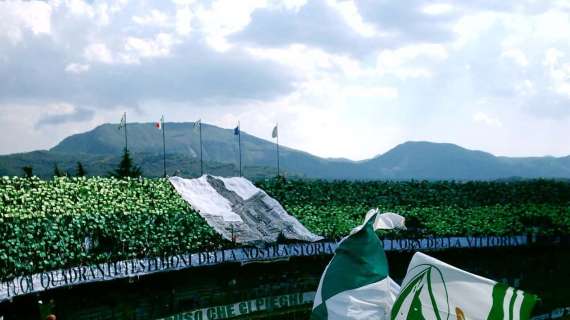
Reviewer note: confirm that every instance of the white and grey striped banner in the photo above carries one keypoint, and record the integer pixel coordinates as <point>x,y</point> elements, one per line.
<point>239,211</point>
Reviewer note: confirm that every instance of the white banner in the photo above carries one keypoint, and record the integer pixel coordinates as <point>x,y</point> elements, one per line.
<point>239,211</point>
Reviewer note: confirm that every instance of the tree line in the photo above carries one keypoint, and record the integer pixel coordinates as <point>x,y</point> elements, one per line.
<point>125,168</point>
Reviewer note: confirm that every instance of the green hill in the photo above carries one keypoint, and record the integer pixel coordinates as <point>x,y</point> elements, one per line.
<point>99,150</point>
<point>445,161</point>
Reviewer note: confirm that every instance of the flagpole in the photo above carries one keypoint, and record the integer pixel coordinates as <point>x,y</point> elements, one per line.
<point>201,159</point>
<point>163,145</point>
<point>277,126</point>
<point>126,141</point>
<point>239,147</point>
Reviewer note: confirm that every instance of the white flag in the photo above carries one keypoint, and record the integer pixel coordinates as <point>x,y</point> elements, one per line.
<point>197,124</point>
<point>433,289</point>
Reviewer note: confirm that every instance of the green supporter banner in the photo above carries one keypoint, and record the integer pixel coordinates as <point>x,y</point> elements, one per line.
<point>242,308</point>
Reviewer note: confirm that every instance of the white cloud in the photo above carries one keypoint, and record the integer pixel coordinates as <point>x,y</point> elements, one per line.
<point>525,88</point>
<point>148,48</point>
<point>98,52</point>
<point>184,2</point>
<point>118,5</point>
<point>410,61</point>
<point>16,17</point>
<point>133,50</point>
<point>292,4</point>
<point>153,18</point>
<point>397,57</point>
<point>515,55</point>
<point>377,92</point>
<point>559,71</point>
<point>553,25</point>
<point>349,12</point>
<point>80,8</point>
<point>307,60</point>
<point>470,28</point>
<point>224,17</point>
<point>184,21</point>
<point>437,8</point>
<point>76,68</point>
<point>483,118</point>
<point>552,56</point>
<point>102,14</point>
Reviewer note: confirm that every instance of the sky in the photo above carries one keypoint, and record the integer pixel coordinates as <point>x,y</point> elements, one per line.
<point>343,78</point>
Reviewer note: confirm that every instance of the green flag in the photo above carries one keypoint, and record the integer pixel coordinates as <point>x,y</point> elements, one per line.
<point>355,284</point>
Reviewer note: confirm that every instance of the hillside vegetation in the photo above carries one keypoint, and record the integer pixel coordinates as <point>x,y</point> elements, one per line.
<point>49,224</point>
<point>100,148</point>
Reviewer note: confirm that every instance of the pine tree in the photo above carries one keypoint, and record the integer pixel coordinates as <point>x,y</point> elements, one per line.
<point>126,167</point>
<point>57,172</point>
<point>28,171</point>
<point>79,170</point>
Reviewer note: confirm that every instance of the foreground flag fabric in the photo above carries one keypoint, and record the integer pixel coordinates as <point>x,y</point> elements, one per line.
<point>355,284</point>
<point>275,132</point>
<point>197,125</point>
<point>433,289</point>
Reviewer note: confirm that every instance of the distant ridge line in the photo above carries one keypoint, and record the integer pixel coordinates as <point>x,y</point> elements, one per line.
<point>100,147</point>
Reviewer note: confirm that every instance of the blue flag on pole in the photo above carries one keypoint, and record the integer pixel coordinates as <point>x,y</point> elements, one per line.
<point>236,131</point>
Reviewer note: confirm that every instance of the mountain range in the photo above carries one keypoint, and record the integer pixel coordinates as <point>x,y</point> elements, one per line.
<point>99,151</point>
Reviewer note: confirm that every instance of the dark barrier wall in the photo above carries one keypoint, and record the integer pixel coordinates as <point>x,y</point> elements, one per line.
<point>540,270</point>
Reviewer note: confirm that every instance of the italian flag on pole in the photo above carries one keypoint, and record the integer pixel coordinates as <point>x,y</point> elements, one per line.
<point>355,284</point>
<point>435,290</point>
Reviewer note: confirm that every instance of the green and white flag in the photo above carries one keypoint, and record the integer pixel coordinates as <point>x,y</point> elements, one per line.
<point>355,283</point>
<point>435,290</point>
